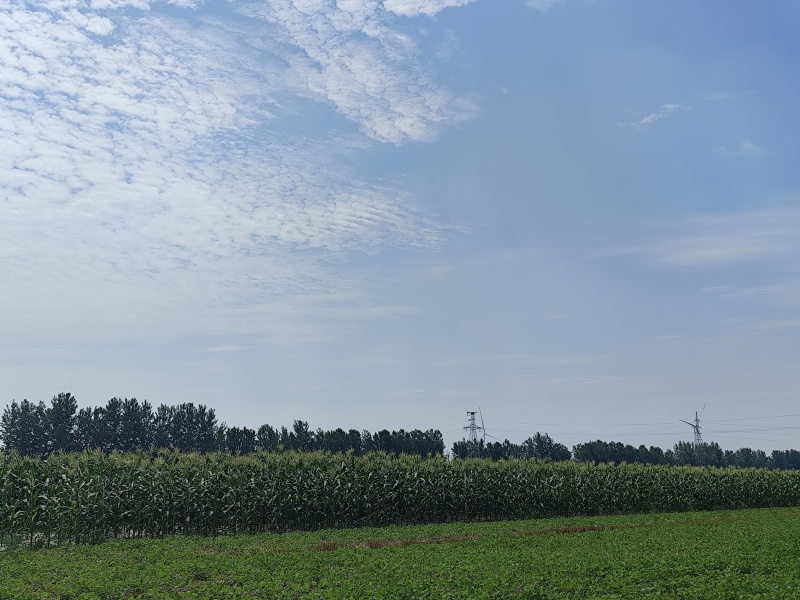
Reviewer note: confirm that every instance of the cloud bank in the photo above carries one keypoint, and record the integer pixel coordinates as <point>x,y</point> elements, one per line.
<point>414,8</point>
<point>717,240</point>
<point>150,187</point>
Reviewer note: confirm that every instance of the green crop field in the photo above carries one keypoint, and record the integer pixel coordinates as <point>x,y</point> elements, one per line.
<point>90,497</point>
<point>702,555</point>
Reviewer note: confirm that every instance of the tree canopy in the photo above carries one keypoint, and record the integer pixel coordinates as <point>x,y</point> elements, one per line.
<point>123,425</point>
<point>38,429</point>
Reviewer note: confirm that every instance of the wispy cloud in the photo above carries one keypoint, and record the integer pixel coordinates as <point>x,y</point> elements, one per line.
<point>764,292</point>
<point>769,234</point>
<point>544,5</point>
<point>775,324</point>
<point>408,393</point>
<point>785,294</point>
<point>148,179</point>
<point>745,148</point>
<point>413,8</point>
<point>668,110</point>
<point>514,360</point>
<point>591,379</point>
<point>665,111</point>
<point>225,348</point>
<point>347,54</point>
<point>459,393</point>
<point>761,325</point>
<point>717,96</point>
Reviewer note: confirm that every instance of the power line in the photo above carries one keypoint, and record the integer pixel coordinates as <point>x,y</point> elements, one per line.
<point>763,428</point>
<point>710,430</point>
<point>754,418</point>
<point>628,433</point>
<point>723,437</point>
<point>580,424</point>
<point>756,431</point>
<point>599,425</point>
<point>755,399</point>
<point>664,407</point>
<point>659,429</point>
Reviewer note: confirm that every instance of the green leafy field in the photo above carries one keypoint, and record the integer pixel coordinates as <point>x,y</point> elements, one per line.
<point>703,555</point>
<point>90,497</point>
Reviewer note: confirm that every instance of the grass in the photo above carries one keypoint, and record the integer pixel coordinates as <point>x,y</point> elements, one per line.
<point>708,555</point>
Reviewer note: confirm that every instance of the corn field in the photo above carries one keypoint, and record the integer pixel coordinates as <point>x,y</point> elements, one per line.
<point>91,497</point>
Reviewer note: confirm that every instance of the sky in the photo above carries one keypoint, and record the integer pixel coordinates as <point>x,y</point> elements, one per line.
<point>581,217</point>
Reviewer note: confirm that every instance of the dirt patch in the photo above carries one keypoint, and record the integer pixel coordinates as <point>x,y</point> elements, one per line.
<point>326,546</point>
<point>374,544</point>
<point>587,528</point>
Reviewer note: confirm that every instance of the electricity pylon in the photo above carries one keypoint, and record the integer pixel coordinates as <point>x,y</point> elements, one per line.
<point>698,438</point>
<point>472,428</point>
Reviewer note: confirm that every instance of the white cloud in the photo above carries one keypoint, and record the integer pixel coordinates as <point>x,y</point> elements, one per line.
<point>665,111</point>
<point>459,393</point>
<point>137,4</point>
<point>745,148</point>
<point>717,96</point>
<point>591,379</point>
<point>147,193</point>
<point>513,360</point>
<point>769,234</point>
<point>775,324</point>
<point>544,5</point>
<point>347,54</point>
<point>670,109</point>
<point>761,325</point>
<point>763,292</point>
<point>225,348</point>
<point>414,8</point>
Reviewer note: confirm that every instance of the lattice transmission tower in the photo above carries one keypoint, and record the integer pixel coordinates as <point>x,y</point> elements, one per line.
<point>473,428</point>
<point>698,438</point>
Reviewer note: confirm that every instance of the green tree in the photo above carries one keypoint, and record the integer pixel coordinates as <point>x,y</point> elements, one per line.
<point>135,426</point>
<point>542,446</point>
<point>684,453</point>
<point>595,452</point>
<point>61,423</point>
<point>301,437</point>
<point>240,440</point>
<point>23,427</point>
<point>268,439</point>
<point>469,449</point>
<point>88,433</point>
<point>710,455</point>
<point>784,459</point>
<point>191,428</point>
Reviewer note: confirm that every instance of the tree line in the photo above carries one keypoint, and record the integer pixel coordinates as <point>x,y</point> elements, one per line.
<point>39,429</point>
<point>685,453</point>
<point>539,446</point>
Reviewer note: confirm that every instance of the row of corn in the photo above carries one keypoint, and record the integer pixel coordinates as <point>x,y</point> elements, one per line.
<point>90,497</point>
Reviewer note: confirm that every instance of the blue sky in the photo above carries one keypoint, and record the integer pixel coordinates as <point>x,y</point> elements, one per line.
<point>582,216</point>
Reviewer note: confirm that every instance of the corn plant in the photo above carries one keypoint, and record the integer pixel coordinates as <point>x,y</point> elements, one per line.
<point>91,496</point>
